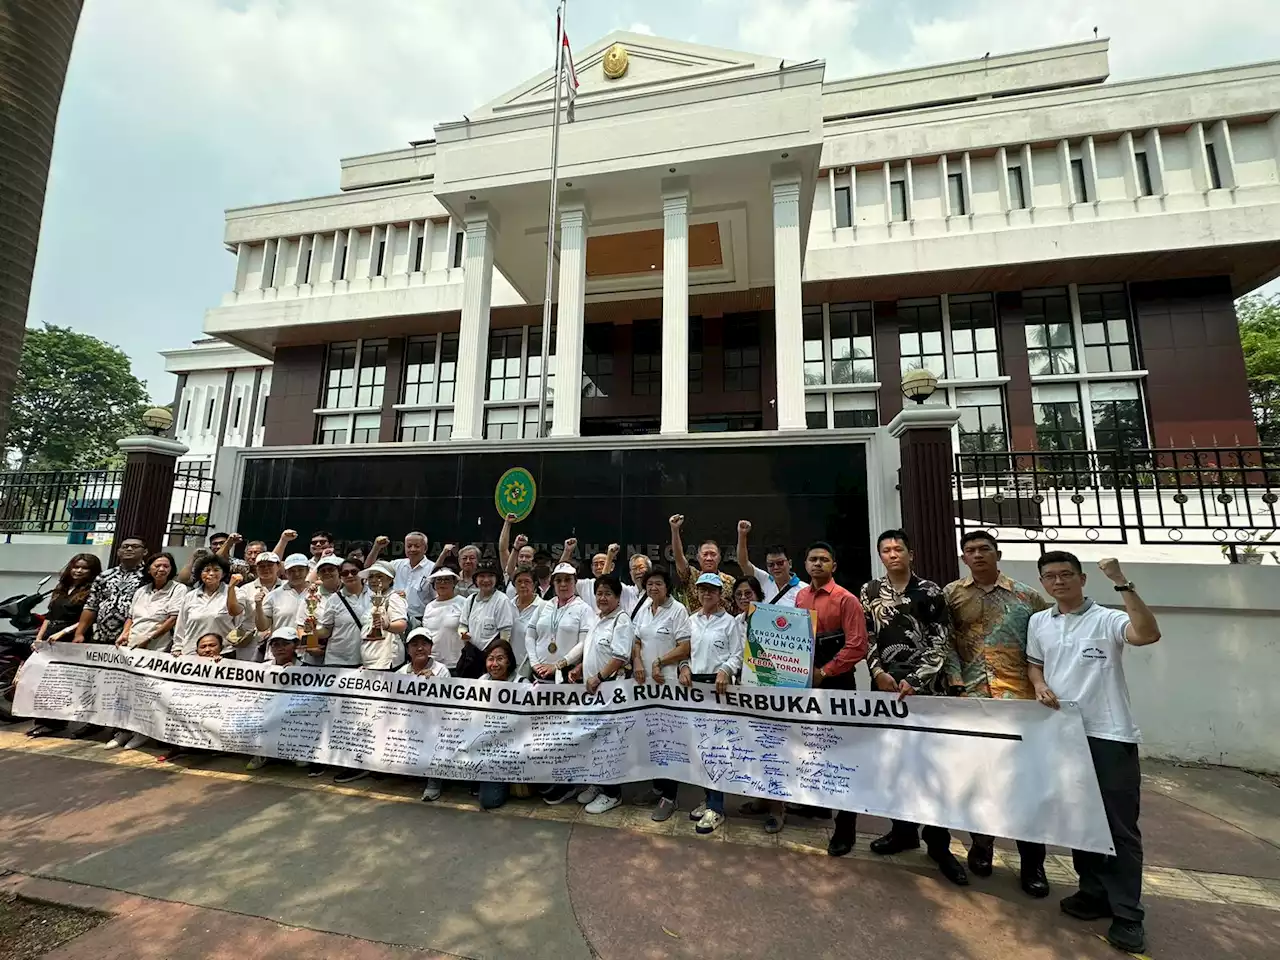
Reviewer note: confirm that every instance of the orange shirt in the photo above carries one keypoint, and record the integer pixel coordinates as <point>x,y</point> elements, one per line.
<point>837,609</point>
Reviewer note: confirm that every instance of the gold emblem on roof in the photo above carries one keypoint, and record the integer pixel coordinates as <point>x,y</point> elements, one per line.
<point>616,61</point>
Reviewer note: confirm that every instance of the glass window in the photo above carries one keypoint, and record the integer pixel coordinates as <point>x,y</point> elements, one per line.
<point>955,194</point>
<point>814,368</point>
<point>854,409</point>
<point>695,354</point>
<point>415,425</point>
<point>531,421</point>
<point>1144,173</point>
<point>898,200</point>
<point>741,354</point>
<point>505,348</point>
<point>920,336</point>
<point>503,423</point>
<point>381,258</point>
<point>844,210</point>
<point>597,360</point>
<point>1104,319</point>
<point>1079,183</point>
<point>1118,419</point>
<point>646,358</point>
<point>365,428</point>
<point>458,239</point>
<point>852,343</point>
<point>1051,346</point>
<point>333,430</point>
<point>1017,196</point>
<point>815,411</point>
<point>1215,177</point>
<point>448,367</point>
<point>417,254</point>
<point>534,364</point>
<point>981,423</point>
<point>444,424</point>
<point>419,371</point>
<point>373,373</point>
<point>1056,408</point>
<point>974,347</point>
<point>340,377</point>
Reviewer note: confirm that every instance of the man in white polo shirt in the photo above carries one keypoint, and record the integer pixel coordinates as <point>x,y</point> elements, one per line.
<point>779,584</point>
<point>1074,653</point>
<point>412,571</point>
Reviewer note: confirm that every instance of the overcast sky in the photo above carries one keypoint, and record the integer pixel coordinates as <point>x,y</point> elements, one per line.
<point>175,110</point>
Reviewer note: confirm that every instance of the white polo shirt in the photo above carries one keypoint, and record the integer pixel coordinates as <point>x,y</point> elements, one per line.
<point>413,583</point>
<point>770,590</point>
<point>1081,654</point>
<point>485,619</point>
<point>434,669</point>
<point>441,618</point>
<point>660,632</point>
<point>563,627</point>
<point>347,646</point>
<point>610,637</point>
<point>524,626</point>
<point>715,643</point>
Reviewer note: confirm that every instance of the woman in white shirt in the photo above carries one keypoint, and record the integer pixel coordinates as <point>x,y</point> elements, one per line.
<point>604,656</point>
<point>527,607</point>
<point>382,646</point>
<point>347,620</point>
<point>443,616</point>
<point>210,607</point>
<point>662,641</point>
<point>487,616</point>
<point>715,655</point>
<point>156,604</point>
<point>423,665</point>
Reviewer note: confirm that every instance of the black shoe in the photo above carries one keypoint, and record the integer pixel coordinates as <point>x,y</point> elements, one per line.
<point>840,844</point>
<point>1083,907</point>
<point>560,794</point>
<point>1127,935</point>
<point>951,868</point>
<point>350,776</point>
<point>980,860</point>
<point>892,843</point>
<point>1035,883</point>
<point>315,770</point>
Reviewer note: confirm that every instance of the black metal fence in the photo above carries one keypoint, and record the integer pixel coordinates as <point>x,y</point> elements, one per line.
<point>1208,496</point>
<point>82,503</point>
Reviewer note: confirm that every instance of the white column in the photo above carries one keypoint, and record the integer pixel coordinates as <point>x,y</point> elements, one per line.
<point>1002,179</point>
<point>1090,156</point>
<point>1155,160</point>
<point>675,305</point>
<point>1225,154</point>
<point>1028,177</point>
<point>415,233</point>
<point>481,225</point>
<point>944,188</point>
<point>787,307</point>
<point>1129,167</point>
<point>428,226</point>
<point>1067,181</point>
<point>566,413</point>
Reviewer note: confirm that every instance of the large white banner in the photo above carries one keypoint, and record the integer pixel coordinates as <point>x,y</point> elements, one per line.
<point>1007,768</point>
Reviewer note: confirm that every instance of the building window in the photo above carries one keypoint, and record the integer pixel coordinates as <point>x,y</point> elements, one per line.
<point>1056,407</point>
<point>695,354</point>
<point>419,370</point>
<point>381,258</point>
<point>417,254</point>
<point>741,355</point>
<point>235,412</point>
<point>1104,318</point>
<point>458,239</point>
<point>534,365</point>
<point>815,367</point>
<point>186,414</point>
<point>531,422</point>
<point>416,425</point>
<point>1051,344</point>
<point>444,425</point>
<point>332,430</point>
<point>981,424</point>
<point>365,428</point>
<point>1144,173</point>
<point>1079,184</point>
<point>1118,419</point>
<point>340,255</point>
<point>955,194</point>
<point>815,411</point>
<point>270,253</point>
<point>852,343</point>
<point>372,375</point>
<point>1017,195</point>
<point>854,409</point>
<point>306,271</point>
<point>974,348</point>
<point>721,423</point>
<point>1215,177</point>
<point>844,206</point>
<point>646,358</point>
<point>340,377</point>
<point>597,360</point>
<point>448,367</point>
<point>920,336</point>
<point>208,415</point>
<point>898,200</point>
<point>503,423</point>
<point>505,350</point>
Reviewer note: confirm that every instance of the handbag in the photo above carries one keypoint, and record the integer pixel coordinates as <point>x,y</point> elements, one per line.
<point>825,648</point>
<point>471,660</point>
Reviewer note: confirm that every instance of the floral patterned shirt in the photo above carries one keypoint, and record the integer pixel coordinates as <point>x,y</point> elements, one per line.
<point>908,631</point>
<point>988,653</point>
<point>110,598</point>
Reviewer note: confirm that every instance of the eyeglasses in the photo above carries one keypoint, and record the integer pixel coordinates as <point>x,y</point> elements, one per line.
<point>319,543</point>
<point>774,564</point>
<point>349,575</point>
<point>1059,577</point>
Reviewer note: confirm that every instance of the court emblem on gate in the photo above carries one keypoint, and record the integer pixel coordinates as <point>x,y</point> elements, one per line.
<point>515,493</point>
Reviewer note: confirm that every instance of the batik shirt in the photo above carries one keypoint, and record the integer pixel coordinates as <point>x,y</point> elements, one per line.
<point>110,598</point>
<point>908,631</point>
<point>687,592</point>
<point>988,654</point>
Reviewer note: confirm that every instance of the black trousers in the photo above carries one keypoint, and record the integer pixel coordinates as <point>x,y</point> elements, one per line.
<point>1032,854</point>
<point>1116,880</point>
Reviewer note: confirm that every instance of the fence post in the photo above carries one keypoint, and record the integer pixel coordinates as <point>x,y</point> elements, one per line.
<point>147,489</point>
<point>928,500</point>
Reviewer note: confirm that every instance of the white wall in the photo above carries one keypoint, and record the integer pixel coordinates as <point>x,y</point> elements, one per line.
<point>1209,691</point>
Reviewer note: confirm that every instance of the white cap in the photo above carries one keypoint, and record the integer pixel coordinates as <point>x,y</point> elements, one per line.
<point>284,633</point>
<point>267,556</point>
<point>381,567</point>
<point>441,572</point>
<point>568,568</point>
<point>333,560</point>
<point>419,632</point>
<point>710,580</point>
<point>296,560</point>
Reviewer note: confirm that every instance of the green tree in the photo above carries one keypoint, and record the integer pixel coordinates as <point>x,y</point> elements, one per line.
<point>1259,319</point>
<point>75,397</point>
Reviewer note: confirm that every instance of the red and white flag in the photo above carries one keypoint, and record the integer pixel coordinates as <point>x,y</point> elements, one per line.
<point>571,75</point>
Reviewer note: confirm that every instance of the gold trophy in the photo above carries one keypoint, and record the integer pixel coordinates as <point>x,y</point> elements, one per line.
<point>312,601</point>
<point>378,610</point>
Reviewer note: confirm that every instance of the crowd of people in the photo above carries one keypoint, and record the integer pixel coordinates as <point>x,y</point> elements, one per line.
<point>528,616</point>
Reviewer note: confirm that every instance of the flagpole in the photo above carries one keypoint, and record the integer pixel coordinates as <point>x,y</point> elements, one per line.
<point>551,228</point>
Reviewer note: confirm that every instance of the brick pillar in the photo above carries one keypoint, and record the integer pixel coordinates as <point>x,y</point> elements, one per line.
<point>925,486</point>
<point>147,490</point>
<point>1013,351</point>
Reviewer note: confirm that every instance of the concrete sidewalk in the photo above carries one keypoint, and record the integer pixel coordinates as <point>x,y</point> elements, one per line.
<point>275,864</point>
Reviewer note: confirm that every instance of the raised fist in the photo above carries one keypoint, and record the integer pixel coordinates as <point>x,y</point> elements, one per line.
<point>613,549</point>
<point>571,544</point>
<point>1110,568</point>
<point>289,535</point>
<point>237,579</point>
<point>235,538</point>
<point>744,527</point>
<point>450,547</point>
<point>521,541</point>
<point>511,518</point>
<point>383,541</point>
<point>676,521</point>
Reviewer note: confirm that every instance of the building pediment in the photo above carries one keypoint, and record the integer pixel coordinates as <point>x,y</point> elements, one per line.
<point>653,64</point>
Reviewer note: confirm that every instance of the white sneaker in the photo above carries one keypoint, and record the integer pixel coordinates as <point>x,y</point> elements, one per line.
<point>433,790</point>
<point>136,741</point>
<point>709,822</point>
<point>697,812</point>
<point>588,795</point>
<point>602,803</point>
<point>116,741</point>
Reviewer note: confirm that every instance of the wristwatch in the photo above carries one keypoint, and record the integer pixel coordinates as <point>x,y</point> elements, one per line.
<point>1126,587</point>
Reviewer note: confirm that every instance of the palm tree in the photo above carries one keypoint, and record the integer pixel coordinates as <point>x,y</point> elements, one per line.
<point>35,45</point>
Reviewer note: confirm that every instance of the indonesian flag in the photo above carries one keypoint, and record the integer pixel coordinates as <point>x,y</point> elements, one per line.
<point>571,75</point>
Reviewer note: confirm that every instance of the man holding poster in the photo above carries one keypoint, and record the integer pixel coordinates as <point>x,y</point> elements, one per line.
<point>779,646</point>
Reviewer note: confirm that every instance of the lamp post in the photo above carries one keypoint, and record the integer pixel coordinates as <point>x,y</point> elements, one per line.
<point>925,480</point>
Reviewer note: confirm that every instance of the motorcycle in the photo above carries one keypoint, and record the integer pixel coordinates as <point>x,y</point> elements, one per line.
<point>15,643</point>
